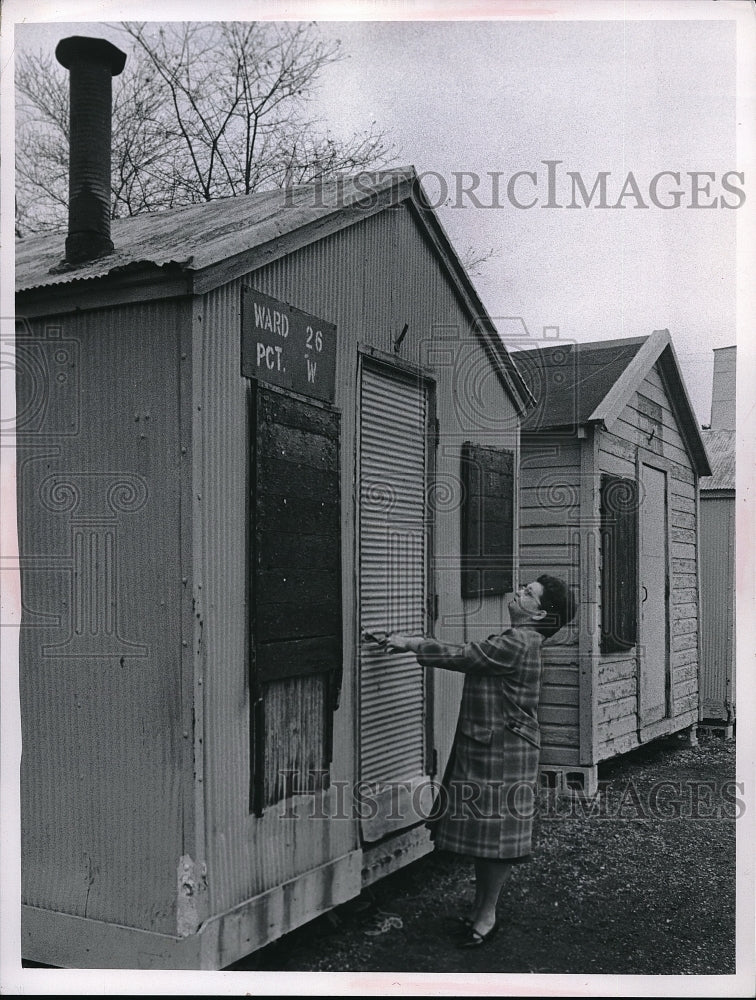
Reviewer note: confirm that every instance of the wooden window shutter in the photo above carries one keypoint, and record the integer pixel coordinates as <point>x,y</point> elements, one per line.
<point>619,563</point>
<point>295,585</point>
<point>487,520</point>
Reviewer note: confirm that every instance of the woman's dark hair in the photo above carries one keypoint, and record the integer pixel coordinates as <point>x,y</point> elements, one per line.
<point>558,603</point>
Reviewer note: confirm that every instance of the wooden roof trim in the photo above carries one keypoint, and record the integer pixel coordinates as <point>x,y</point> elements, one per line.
<point>657,348</point>
<point>615,401</point>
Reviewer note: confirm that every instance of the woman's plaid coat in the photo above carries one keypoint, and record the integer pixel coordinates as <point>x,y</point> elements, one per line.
<point>486,802</point>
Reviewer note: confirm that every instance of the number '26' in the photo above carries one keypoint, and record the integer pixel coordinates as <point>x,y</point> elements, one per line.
<point>318,336</point>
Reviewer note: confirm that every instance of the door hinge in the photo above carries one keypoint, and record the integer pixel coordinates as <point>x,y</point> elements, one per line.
<point>433,769</point>
<point>435,431</point>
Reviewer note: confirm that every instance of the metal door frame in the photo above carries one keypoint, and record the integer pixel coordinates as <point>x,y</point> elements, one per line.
<point>397,368</point>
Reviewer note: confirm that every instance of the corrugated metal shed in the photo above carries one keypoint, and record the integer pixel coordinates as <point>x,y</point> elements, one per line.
<point>720,447</point>
<point>164,398</point>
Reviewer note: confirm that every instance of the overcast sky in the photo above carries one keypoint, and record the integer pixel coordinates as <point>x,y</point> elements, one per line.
<point>618,96</point>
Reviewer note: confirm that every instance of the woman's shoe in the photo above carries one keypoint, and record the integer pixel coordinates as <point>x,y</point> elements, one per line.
<point>474,939</point>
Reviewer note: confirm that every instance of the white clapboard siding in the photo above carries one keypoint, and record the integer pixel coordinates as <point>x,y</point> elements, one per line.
<point>393,556</point>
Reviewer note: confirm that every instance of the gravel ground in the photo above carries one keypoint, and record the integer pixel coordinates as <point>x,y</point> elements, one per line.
<point>644,885</point>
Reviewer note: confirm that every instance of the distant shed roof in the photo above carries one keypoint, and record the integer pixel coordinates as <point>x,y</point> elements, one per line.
<point>569,381</point>
<point>591,383</point>
<point>720,446</point>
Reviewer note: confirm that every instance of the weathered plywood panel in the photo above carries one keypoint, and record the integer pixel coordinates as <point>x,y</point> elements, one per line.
<point>614,669</point>
<point>686,672</point>
<point>617,709</point>
<point>559,694</point>
<point>558,715</point>
<point>683,657</point>
<point>688,640</point>
<point>556,737</point>
<point>680,502</point>
<point>613,745</point>
<point>622,688</point>
<point>299,708</point>
<point>612,729</point>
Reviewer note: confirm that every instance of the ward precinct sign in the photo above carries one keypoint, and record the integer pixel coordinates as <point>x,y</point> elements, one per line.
<point>284,346</point>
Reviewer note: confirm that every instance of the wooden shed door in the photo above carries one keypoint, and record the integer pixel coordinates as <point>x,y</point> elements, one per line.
<point>393,553</point>
<point>654,618</point>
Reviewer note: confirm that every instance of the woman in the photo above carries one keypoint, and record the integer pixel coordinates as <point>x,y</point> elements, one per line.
<point>486,804</point>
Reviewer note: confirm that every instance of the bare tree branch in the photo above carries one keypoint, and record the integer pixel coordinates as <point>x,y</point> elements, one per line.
<point>201,111</point>
<point>473,258</point>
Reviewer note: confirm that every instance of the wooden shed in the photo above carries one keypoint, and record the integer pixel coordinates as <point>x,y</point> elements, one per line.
<point>241,438</point>
<point>718,552</point>
<point>610,461</point>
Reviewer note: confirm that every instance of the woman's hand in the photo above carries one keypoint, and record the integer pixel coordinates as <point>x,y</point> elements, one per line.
<point>403,643</point>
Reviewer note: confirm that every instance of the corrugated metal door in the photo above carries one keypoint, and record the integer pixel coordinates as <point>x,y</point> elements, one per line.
<point>393,550</point>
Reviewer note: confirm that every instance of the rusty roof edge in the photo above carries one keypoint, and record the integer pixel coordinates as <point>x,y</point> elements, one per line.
<point>516,386</point>
<point>130,268</point>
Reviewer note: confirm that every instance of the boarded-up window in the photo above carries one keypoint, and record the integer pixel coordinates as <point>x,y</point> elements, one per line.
<point>487,520</point>
<point>295,583</point>
<point>619,563</point>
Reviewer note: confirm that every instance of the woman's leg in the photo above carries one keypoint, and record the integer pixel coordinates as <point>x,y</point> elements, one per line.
<point>490,877</point>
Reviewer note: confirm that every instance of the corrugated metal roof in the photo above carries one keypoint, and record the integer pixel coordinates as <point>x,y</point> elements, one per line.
<point>198,236</point>
<point>569,381</point>
<point>720,447</point>
<point>215,241</point>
